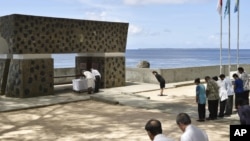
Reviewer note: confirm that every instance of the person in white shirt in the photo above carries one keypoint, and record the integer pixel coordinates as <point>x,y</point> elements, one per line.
<point>190,132</point>
<point>230,95</point>
<point>90,80</point>
<point>97,75</point>
<point>223,95</point>
<point>154,130</point>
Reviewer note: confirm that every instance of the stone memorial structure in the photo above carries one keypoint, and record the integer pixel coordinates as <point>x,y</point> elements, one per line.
<point>27,42</point>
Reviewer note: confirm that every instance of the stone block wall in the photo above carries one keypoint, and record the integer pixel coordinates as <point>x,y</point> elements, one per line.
<point>32,38</point>
<point>115,74</point>
<point>30,78</point>
<point>27,34</point>
<point>4,69</point>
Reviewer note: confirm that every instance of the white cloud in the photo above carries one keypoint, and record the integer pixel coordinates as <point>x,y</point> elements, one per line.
<point>144,2</point>
<point>136,30</point>
<point>101,16</point>
<point>213,38</point>
<point>104,4</point>
<point>133,30</point>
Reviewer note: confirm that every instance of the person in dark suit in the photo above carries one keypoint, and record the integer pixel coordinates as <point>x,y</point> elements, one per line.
<point>161,80</point>
<point>97,75</point>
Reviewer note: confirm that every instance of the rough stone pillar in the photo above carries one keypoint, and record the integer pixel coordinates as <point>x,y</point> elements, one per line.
<point>4,68</point>
<point>115,72</point>
<point>30,77</point>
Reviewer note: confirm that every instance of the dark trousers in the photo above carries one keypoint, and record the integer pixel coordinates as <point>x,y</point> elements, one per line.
<point>229,105</point>
<point>202,111</point>
<point>97,83</point>
<point>238,96</point>
<point>246,97</point>
<point>213,108</point>
<point>222,108</point>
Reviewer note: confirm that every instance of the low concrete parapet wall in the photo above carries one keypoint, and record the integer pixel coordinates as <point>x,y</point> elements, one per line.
<point>145,75</point>
<point>64,75</point>
<point>179,74</point>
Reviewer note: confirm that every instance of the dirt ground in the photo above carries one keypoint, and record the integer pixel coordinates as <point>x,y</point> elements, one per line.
<point>97,121</point>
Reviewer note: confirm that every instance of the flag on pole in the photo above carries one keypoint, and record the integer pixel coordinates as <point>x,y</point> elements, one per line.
<point>227,8</point>
<point>219,6</point>
<point>236,8</point>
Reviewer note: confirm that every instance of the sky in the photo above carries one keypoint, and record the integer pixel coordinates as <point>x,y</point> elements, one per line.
<point>152,23</point>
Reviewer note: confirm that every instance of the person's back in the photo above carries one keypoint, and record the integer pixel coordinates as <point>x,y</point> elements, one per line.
<point>201,92</point>
<point>95,72</point>
<point>238,86</point>
<point>88,75</point>
<point>212,89</point>
<point>190,132</point>
<point>229,86</point>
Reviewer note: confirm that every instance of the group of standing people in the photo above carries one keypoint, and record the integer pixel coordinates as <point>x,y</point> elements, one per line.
<point>219,94</point>
<point>183,120</point>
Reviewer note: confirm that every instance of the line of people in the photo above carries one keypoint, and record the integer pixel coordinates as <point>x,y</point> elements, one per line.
<point>219,94</point>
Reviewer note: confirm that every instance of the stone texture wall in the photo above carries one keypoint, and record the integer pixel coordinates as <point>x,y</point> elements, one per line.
<point>35,34</point>
<point>30,78</point>
<point>4,69</point>
<point>26,34</point>
<point>115,72</point>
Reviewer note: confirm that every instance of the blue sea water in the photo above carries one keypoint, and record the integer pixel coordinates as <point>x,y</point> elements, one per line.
<point>170,57</point>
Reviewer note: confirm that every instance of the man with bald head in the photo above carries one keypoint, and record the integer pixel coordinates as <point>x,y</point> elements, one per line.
<point>154,130</point>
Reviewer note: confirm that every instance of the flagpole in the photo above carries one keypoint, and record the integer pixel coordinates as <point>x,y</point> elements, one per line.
<point>219,9</point>
<point>229,49</point>
<point>238,34</point>
<point>221,44</point>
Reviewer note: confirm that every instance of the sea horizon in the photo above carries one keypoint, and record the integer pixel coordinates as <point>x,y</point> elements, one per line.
<point>163,58</point>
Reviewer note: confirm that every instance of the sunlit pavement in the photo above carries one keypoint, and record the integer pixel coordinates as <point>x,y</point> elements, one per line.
<point>113,114</point>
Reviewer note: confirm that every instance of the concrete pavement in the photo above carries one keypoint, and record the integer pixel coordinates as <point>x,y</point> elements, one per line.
<point>180,98</point>
<point>64,94</point>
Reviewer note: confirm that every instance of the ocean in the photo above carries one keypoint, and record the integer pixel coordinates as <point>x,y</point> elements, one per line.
<point>164,58</point>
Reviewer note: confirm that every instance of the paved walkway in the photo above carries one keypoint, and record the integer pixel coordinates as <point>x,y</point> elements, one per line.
<point>64,94</point>
<point>144,96</point>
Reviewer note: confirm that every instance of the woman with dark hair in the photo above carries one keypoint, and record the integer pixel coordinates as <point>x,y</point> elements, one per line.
<point>161,80</point>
